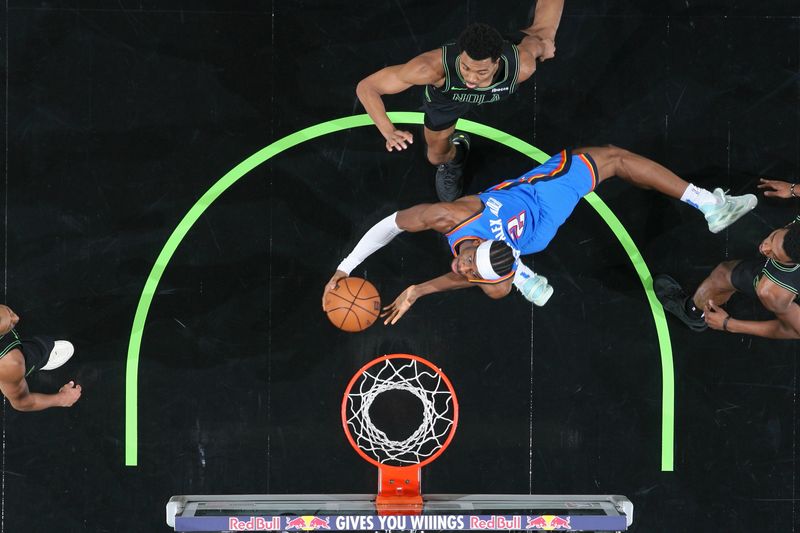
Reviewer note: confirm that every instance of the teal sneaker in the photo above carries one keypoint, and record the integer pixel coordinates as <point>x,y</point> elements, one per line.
<point>535,289</point>
<point>728,211</point>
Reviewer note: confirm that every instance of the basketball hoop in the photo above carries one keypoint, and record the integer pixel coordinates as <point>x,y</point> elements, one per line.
<point>400,462</point>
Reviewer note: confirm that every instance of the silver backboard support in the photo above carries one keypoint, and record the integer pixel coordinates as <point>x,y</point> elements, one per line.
<point>440,512</point>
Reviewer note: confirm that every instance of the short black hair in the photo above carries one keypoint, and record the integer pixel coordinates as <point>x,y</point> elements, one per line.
<point>791,242</point>
<point>481,41</point>
<point>501,257</point>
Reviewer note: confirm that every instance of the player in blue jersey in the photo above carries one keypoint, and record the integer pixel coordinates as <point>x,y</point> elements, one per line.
<point>479,68</point>
<point>488,232</point>
<point>773,279</point>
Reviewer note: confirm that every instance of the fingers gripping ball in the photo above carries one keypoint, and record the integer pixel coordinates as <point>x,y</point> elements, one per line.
<point>353,305</point>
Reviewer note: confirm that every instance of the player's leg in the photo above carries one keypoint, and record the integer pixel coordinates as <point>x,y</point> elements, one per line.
<point>724,280</point>
<point>720,210</point>
<point>640,171</point>
<point>445,147</point>
<point>448,149</point>
<point>438,147</point>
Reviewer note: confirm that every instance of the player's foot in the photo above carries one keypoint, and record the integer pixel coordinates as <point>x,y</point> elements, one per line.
<point>535,289</point>
<point>728,210</point>
<point>62,351</point>
<point>449,175</point>
<point>673,298</point>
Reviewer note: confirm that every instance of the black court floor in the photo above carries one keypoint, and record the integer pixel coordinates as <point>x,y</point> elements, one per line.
<point>120,116</point>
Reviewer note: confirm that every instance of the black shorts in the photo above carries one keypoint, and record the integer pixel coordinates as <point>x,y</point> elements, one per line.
<point>747,273</point>
<point>36,350</point>
<point>440,115</point>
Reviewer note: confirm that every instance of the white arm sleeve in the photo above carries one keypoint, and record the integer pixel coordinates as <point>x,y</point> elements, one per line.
<point>377,237</point>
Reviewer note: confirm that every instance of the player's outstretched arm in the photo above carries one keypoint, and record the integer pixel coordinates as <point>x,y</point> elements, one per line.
<point>439,217</point>
<point>22,399</point>
<point>539,43</point>
<point>448,282</point>
<point>424,69</point>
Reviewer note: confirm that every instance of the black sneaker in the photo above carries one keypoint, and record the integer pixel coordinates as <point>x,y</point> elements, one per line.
<point>672,297</point>
<point>449,176</point>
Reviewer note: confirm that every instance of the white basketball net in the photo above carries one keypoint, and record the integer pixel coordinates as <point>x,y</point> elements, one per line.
<point>410,376</point>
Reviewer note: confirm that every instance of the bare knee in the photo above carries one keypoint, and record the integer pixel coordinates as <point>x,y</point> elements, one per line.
<point>610,160</point>
<point>721,275</point>
<point>619,159</point>
<point>717,286</point>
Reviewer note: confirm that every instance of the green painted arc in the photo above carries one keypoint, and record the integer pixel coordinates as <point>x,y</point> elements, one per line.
<point>332,126</point>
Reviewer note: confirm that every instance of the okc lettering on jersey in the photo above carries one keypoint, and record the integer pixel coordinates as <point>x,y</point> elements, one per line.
<point>474,98</point>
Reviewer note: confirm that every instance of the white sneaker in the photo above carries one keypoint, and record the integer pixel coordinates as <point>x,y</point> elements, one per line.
<point>62,352</point>
<point>728,211</point>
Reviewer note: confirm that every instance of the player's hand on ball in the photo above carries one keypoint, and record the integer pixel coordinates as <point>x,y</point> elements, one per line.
<point>394,311</point>
<point>331,285</point>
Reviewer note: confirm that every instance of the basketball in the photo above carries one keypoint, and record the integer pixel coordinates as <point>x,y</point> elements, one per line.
<point>353,305</point>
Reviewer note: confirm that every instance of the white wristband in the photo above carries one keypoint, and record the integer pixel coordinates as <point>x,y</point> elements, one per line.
<point>377,237</point>
<point>522,275</point>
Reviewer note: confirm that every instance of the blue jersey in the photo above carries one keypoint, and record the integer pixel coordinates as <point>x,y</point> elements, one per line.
<point>526,212</point>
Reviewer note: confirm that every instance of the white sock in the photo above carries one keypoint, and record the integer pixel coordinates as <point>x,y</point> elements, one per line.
<point>698,197</point>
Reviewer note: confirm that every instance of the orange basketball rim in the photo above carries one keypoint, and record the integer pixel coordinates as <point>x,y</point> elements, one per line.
<point>400,462</point>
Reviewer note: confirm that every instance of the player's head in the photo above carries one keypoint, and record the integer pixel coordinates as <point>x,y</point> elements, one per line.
<point>480,46</point>
<point>8,319</point>
<point>484,260</point>
<point>783,245</point>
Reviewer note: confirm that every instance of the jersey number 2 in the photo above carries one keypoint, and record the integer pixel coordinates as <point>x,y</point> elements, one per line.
<point>516,226</point>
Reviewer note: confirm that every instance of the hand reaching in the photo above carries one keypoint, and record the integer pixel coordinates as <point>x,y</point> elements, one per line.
<point>398,140</point>
<point>777,188</point>
<point>394,311</point>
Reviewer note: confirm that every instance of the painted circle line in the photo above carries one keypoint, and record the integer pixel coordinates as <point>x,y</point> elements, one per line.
<point>399,117</point>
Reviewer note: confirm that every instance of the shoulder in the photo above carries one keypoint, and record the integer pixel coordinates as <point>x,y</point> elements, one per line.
<point>444,216</point>
<point>12,366</point>
<point>462,209</point>
<point>496,291</point>
<point>526,60</point>
<point>425,68</point>
<point>774,297</point>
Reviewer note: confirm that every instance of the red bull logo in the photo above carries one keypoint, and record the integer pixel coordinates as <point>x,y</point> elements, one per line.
<point>307,523</point>
<point>254,523</point>
<point>548,522</point>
